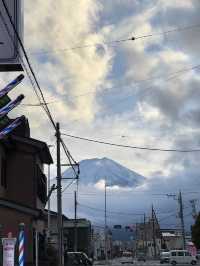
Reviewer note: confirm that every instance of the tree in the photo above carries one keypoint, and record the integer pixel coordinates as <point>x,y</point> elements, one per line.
<point>196,232</point>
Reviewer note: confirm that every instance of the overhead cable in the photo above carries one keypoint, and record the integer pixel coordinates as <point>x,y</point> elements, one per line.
<point>43,104</point>
<point>131,147</point>
<point>133,38</point>
<point>112,212</point>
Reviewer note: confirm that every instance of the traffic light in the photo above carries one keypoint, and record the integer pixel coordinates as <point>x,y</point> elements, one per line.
<point>6,105</point>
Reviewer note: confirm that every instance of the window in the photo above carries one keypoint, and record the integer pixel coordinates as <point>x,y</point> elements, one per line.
<point>3,173</point>
<point>180,253</point>
<point>187,254</point>
<point>173,253</point>
<point>41,185</point>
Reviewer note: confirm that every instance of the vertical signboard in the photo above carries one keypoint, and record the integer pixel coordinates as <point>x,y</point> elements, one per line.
<point>9,44</point>
<point>8,251</point>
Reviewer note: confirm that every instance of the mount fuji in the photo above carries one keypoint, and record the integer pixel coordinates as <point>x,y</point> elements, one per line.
<point>94,170</point>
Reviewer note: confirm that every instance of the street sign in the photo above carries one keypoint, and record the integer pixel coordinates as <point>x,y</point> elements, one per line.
<point>8,251</point>
<point>9,42</point>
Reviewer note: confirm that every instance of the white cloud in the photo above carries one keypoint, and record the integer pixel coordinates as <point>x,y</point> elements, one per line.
<point>53,26</point>
<point>158,114</point>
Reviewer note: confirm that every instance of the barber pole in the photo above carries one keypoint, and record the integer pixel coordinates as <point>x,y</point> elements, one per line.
<point>21,245</point>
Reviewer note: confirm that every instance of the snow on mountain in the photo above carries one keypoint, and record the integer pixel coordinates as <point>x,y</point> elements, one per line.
<point>94,170</point>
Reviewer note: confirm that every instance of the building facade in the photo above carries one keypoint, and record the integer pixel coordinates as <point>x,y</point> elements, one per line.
<point>83,234</point>
<point>23,189</point>
<point>149,238</point>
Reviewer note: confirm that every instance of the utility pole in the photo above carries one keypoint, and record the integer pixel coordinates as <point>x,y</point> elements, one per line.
<point>153,229</point>
<point>180,201</point>
<point>49,200</point>
<point>75,223</point>
<point>136,239</point>
<point>145,234</point>
<point>49,203</point>
<point>59,199</point>
<point>105,229</point>
<point>194,210</point>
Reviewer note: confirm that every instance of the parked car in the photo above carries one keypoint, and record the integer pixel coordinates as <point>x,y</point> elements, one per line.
<point>127,257</point>
<point>198,255</point>
<point>181,257</point>
<point>77,259</point>
<point>164,257</point>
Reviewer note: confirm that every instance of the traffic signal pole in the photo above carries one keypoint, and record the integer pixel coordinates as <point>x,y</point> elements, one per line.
<point>59,200</point>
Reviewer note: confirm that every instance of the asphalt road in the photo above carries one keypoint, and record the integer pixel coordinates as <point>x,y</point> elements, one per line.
<point>136,263</point>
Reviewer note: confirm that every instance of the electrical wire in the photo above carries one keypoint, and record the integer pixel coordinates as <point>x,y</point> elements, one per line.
<point>64,189</point>
<point>170,76</point>
<point>129,146</point>
<point>41,96</point>
<point>112,212</point>
<point>190,27</point>
<point>45,107</point>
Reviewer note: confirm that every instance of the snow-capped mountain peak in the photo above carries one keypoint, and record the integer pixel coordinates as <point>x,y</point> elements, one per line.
<point>94,170</point>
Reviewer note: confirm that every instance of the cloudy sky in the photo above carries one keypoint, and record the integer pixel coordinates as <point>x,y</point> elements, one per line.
<point>141,93</point>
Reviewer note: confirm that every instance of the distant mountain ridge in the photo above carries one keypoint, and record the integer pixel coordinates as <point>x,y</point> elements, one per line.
<point>94,170</point>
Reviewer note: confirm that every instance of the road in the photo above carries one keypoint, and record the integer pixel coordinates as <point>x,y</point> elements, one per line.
<point>117,262</point>
<point>136,263</point>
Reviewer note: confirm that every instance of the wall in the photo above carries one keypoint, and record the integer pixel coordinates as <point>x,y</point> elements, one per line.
<point>20,178</point>
<point>2,155</point>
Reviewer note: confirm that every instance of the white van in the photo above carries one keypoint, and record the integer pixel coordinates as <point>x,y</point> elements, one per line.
<point>181,257</point>
<point>127,257</point>
<point>164,257</point>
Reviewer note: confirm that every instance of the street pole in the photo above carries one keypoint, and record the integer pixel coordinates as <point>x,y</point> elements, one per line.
<point>75,223</point>
<point>59,199</point>
<point>136,240</point>
<point>49,203</point>
<point>194,210</point>
<point>145,235</point>
<point>154,237</point>
<point>182,218</point>
<point>105,229</point>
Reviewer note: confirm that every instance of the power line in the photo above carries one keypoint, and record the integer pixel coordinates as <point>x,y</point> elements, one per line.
<point>170,76</point>
<point>45,107</point>
<point>44,103</point>
<point>127,194</point>
<point>112,212</point>
<point>131,147</point>
<point>64,189</point>
<point>120,213</point>
<point>108,43</point>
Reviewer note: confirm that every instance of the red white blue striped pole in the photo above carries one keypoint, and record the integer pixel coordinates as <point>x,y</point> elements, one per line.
<point>21,244</point>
